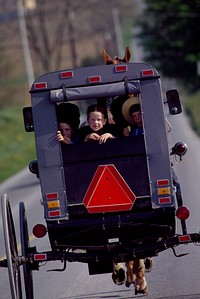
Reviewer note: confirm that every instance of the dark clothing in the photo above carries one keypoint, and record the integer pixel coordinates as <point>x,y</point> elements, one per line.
<point>136,131</point>
<point>84,131</point>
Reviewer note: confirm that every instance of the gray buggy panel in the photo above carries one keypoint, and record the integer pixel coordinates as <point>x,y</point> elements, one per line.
<point>54,169</point>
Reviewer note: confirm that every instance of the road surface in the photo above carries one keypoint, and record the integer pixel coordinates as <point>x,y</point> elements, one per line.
<point>171,277</point>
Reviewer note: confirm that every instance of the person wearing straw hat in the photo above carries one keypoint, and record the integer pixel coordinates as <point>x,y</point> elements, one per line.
<point>131,111</point>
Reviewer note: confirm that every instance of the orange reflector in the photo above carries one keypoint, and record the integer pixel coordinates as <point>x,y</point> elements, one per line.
<point>184,239</point>
<point>53,204</point>
<point>182,213</point>
<point>40,85</point>
<point>121,68</point>
<point>40,257</point>
<point>162,191</point>
<point>94,79</point>
<point>146,73</point>
<point>68,74</point>
<point>108,192</point>
<point>39,230</point>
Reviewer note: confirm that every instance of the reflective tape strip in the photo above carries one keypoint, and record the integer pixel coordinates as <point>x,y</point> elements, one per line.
<point>164,182</point>
<point>40,85</point>
<point>184,238</point>
<point>163,191</point>
<point>56,213</point>
<point>164,200</point>
<point>50,196</point>
<point>67,74</point>
<point>40,257</point>
<point>121,68</point>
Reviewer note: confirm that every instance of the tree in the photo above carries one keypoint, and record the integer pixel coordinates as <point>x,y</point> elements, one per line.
<point>169,32</point>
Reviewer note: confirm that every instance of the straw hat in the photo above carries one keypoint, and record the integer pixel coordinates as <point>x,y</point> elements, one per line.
<point>127,105</point>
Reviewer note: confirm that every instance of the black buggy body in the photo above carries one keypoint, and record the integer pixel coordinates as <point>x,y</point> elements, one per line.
<point>114,200</point>
<point>103,203</point>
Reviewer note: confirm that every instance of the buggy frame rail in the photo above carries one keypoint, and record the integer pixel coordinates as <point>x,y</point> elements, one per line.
<point>118,252</point>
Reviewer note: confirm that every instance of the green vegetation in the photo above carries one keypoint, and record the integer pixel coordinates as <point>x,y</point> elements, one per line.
<point>169,32</point>
<point>17,146</point>
<point>192,108</point>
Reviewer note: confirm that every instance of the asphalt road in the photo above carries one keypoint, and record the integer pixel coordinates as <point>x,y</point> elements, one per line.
<point>171,277</point>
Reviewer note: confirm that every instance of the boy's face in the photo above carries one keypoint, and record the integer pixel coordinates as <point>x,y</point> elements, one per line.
<point>137,118</point>
<point>65,129</point>
<point>96,120</point>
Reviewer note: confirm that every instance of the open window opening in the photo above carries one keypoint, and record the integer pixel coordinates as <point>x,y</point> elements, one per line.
<point>88,120</point>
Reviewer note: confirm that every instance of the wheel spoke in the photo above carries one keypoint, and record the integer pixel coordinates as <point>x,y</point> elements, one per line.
<point>11,249</point>
<point>28,279</point>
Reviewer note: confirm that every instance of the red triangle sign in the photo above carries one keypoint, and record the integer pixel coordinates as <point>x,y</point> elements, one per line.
<point>108,192</point>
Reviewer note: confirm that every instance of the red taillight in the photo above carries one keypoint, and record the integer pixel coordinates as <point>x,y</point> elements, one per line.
<point>40,85</point>
<point>40,257</point>
<point>94,79</point>
<point>39,230</point>
<point>182,213</point>
<point>121,68</point>
<point>146,73</point>
<point>67,74</point>
<point>180,149</point>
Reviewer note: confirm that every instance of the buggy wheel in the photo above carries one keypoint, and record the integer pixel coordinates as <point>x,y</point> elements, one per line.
<point>11,249</point>
<point>28,277</point>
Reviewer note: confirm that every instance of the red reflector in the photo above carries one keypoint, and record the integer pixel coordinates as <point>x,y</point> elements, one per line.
<point>40,85</point>
<point>94,79</point>
<point>56,213</point>
<point>147,73</point>
<point>180,148</point>
<point>52,196</point>
<point>182,213</point>
<point>68,74</point>
<point>40,257</point>
<point>108,192</point>
<point>39,230</point>
<point>163,200</point>
<point>162,182</point>
<point>121,68</point>
<point>184,238</point>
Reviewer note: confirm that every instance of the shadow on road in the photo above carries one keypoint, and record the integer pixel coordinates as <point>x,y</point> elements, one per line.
<point>107,295</point>
<point>191,296</point>
<point>128,294</point>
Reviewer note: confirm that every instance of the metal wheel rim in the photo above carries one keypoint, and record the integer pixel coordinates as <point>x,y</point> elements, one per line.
<point>28,278</point>
<point>11,249</point>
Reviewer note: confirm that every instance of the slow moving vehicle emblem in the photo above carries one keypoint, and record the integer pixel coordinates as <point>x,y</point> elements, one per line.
<point>108,192</point>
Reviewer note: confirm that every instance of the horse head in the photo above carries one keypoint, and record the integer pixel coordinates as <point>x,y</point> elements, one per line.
<point>116,60</point>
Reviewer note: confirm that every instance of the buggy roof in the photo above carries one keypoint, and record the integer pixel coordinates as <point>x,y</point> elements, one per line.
<point>109,80</point>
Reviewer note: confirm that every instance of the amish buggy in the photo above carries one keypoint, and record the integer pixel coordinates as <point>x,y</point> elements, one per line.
<point>107,198</point>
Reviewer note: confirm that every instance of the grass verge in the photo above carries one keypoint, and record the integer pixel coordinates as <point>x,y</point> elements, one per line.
<point>192,108</point>
<point>17,147</point>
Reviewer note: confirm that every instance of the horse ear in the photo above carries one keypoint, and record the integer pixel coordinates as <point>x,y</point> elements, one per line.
<point>127,55</point>
<point>106,57</point>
